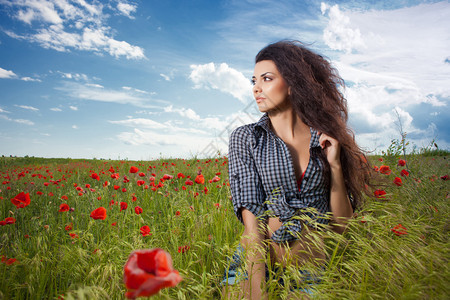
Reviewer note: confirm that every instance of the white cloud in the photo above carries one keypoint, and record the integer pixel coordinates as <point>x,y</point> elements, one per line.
<point>223,78</point>
<point>30,79</point>
<point>95,85</point>
<point>399,64</point>
<point>126,9</point>
<point>140,122</point>
<point>3,111</point>
<point>93,93</point>
<point>22,121</point>
<point>338,34</point>
<point>73,108</point>
<point>7,74</point>
<point>167,78</point>
<point>27,107</point>
<point>74,127</point>
<point>87,24</point>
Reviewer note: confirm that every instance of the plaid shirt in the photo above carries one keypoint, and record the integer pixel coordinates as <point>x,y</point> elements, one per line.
<point>262,180</point>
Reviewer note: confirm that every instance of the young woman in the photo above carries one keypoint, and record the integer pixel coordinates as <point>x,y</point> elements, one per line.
<point>297,168</point>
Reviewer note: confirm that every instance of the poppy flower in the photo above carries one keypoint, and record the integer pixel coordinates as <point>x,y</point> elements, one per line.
<point>11,261</point>
<point>399,230</point>
<point>134,169</point>
<point>21,200</point>
<point>116,187</point>
<point>180,175</point>
<point>385,170</point>
<point>401,162</point>
<point>99,213</point>
<point>200,179</point>
<point>69,227</point>
<point>177,213</point>
<point>64,207</point>
<point>138,210</point>
<point>404,173</point>
<point>10,220</point>
<point>216,179</point>
<point>74,235</point>
<point>183,249</point>
<point>379,193</point>
<point>445,177</point>
<point>167,177</point>
<point>145,230</point>
<point>123,206</point>
<point>398,181</point>
<point>95,176</point>
<point>141,174</point>
<point>148,271</point>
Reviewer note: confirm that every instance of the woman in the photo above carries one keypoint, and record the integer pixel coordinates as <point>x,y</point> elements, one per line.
<point>298,167</point>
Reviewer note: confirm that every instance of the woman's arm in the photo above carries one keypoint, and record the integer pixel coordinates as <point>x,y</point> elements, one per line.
<point>339,201</point>
<point>255,252</point>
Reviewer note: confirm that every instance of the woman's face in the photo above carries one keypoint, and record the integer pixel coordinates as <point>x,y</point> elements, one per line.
<point>269,88</point>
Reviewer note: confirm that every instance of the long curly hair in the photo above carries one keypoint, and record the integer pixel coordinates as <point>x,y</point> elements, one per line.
<point>318,101</point>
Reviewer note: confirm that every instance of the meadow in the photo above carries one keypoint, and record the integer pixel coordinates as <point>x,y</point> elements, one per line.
<point>395,247</point>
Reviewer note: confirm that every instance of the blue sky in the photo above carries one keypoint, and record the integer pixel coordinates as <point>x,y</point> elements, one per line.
<point>142,80</point>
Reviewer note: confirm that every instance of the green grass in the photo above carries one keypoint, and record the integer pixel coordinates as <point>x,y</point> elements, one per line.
<point>367,262</point>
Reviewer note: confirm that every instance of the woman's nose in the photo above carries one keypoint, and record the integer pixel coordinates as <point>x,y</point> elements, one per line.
<point>256,88</point>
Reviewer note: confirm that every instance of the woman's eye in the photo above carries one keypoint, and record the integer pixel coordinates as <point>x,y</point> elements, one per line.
<point>267,78</point>
<point>252,81</point>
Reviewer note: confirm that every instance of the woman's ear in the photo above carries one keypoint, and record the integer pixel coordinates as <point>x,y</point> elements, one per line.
<point>289,91</point>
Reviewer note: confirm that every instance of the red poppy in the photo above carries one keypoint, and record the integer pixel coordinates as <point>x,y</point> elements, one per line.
<point>379,193</point>
<point>138,210</point>
<point>99,213</point>
<point>64,207</point>
<point>114,224</point>
<point>167,177</point>
<point>134,169</point>
<point>200,179</point>
<point>142,174</point>
<point>180,175</point>
<point>445,177</point>
<point>177,213</point>
<point>69,227</point>
<point>398,181</point>
<point>145,230</point>
<point>73,235</point>
<point>401,162</point>
<point>148,271</point>
<point>404,173</point>
<point>11,261</point>
<point>21,200</point>
<point>183,249</point>
<point>216,179</point>
<point>116,187</point>
<point>399,230</point>
<point>10,220</point>
<point>64,197</point>
<point>385,170</point>
<point>123,206</point>
<point>95,176</point>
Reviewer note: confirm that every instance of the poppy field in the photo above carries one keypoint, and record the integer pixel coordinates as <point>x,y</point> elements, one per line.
<point>68,227</point>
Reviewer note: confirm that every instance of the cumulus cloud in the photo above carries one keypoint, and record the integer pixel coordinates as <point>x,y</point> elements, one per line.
<point>30,79</point>
<point>66,25</point>
<point>338,34</point>
<point>73,108</point>
<point>126,9</point>
<point>398,65</point>
<point>20,121</point>
<point>7,73</point>
<point>55,109</point>
<point>222,78</point>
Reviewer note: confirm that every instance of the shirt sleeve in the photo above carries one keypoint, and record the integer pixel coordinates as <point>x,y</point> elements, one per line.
<point>245,184</point>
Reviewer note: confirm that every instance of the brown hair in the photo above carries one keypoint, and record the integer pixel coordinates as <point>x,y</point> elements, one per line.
<point>316,98</point>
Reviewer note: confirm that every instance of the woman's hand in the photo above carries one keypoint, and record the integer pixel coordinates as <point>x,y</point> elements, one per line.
<point>331,148</point>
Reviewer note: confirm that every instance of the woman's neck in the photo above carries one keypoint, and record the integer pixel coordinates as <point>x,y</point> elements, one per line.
<point>287,124</point>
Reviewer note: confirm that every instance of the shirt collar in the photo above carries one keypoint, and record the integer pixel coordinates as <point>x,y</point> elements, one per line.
<point>264,122</point>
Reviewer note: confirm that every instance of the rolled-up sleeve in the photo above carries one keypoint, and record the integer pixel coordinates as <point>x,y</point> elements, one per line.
<point>245,183</point>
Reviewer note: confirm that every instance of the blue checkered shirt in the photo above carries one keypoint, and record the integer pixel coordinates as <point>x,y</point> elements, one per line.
<point>262,180</point>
